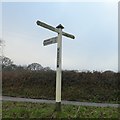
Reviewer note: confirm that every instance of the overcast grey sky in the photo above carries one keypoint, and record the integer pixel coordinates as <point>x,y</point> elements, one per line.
<point>94,24</point>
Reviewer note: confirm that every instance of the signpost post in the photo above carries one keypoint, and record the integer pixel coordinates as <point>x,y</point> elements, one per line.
<point>57,40</point>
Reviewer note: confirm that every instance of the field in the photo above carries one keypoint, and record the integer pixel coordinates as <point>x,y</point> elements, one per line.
<point>36,110</point>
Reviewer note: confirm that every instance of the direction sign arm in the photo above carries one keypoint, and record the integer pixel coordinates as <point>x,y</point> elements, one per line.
<point>68,35</point>
<point>49,27</point>
<point>42,24</point>
<point>50,41</point>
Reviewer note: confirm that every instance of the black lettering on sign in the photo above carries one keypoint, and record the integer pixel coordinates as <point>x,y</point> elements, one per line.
<point>48,42</point>
<point>58,52</point>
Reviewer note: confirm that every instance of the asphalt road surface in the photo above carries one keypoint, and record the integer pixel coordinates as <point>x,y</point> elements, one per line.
<point>16,99</point>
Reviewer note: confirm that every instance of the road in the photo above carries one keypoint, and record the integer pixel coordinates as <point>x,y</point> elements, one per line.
<point>16,99</point>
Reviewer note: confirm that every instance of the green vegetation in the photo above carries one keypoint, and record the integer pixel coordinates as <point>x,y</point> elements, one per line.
<point>78,86</point>
<point>36,110</point>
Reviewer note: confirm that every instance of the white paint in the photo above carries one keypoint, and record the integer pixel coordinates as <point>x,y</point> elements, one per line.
<point>59,66</point>
<point>50,41</point>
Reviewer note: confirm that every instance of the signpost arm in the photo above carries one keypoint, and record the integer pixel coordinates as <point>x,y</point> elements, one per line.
<point>49,27</point>
<point>58,67</point>
<point>68,35</point>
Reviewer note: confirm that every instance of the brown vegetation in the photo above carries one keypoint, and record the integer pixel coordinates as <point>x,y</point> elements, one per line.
<point>81,86</point>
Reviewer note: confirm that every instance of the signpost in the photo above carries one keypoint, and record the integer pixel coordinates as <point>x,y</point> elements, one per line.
<point>57,40</point>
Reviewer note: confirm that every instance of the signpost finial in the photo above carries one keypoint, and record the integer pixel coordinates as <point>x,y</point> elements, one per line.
<point>60,26</point>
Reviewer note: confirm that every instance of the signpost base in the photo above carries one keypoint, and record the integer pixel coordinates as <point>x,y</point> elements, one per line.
<point>58,107</point>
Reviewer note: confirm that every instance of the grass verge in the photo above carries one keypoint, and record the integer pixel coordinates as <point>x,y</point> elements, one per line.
<point>38,110</point>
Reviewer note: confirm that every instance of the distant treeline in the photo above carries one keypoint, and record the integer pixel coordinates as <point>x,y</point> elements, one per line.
<point>8,65</point>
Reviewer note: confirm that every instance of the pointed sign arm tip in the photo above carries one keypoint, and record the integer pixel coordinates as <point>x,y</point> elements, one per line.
<point>49,27</point>
<point>68,35</point>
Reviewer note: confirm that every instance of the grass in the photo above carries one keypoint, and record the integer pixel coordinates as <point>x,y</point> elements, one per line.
<point>38,110</point>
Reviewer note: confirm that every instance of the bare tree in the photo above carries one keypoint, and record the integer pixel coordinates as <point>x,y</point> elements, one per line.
<point>6,62</point>
<point>1,42</point>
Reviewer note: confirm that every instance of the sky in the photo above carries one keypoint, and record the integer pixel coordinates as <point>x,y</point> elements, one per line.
<point>94,25</point>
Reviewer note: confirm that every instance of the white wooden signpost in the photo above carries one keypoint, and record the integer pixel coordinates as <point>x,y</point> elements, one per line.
<point>57,40</point>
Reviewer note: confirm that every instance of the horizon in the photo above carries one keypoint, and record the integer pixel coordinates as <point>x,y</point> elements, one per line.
<point>78,70</point>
